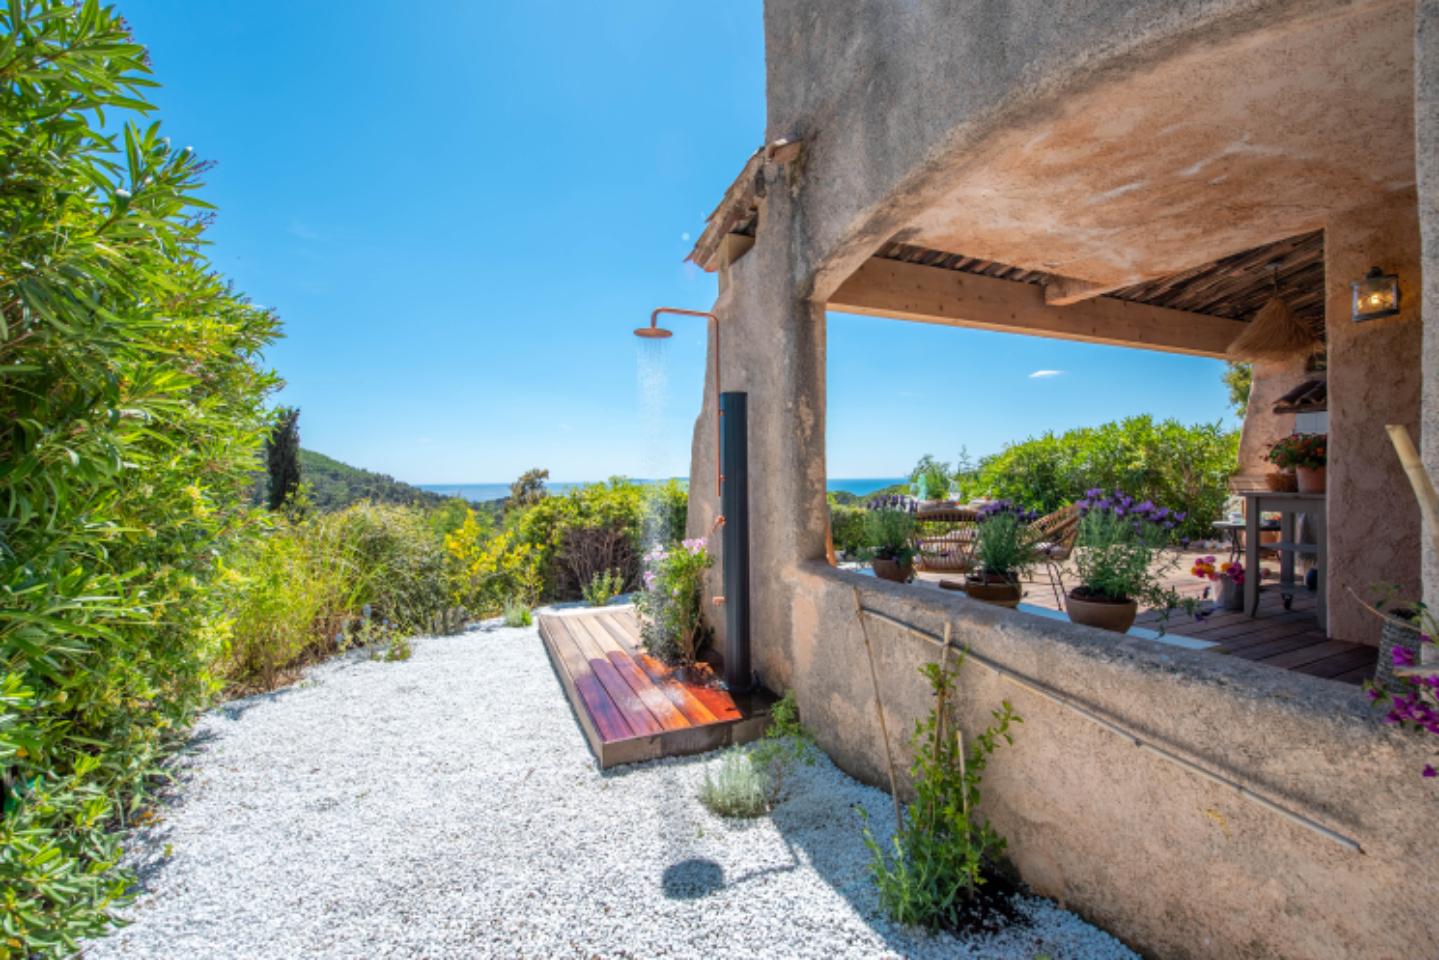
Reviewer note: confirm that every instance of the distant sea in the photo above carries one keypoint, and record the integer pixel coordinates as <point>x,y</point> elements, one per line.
<point>479,492</point>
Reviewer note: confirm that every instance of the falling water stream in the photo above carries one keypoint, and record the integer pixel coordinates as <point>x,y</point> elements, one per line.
<point>652,382</point>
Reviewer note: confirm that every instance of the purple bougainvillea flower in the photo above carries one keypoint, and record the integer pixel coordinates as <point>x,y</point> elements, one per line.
<point>1430,772</point>
<point>1403,657</point>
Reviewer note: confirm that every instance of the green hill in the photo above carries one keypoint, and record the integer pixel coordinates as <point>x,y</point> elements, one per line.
<point>334,485</point>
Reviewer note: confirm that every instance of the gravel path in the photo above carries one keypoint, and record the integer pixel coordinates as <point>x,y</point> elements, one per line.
<point>448,806</point>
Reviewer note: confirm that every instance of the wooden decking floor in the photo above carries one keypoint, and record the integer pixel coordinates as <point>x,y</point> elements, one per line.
<point>632,707</point>
<point>1288,639</point>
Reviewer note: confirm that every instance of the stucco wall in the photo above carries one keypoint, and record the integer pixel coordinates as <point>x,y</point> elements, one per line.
<point>890,95</point>
<point>1426,126</point>
<point>1176,865</point>
<point>1374,379</point>
<point>1262,426</point>
<point>886,95</point>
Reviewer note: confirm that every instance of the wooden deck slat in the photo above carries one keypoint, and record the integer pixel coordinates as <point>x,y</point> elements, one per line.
<point>606,716</point>
<point>1263,638</point>
<point>1270,648</point>
<point>679,694</point>
<point>1361,656</point>
<point>1317,651</point>
<point>636,714</point>
<point>659,706</point>
<point>1356,675</point>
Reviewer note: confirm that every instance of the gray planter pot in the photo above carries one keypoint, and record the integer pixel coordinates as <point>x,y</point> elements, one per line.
<point>1395,634</point>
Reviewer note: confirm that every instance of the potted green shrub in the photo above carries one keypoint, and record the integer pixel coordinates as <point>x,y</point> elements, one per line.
<point>1004,551</point>
<point>889,538</point>
<point>1115,551</point>
<point>1305,454</point>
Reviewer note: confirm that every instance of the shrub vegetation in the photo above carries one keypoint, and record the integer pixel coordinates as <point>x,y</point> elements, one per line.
<point>1187,468</point>
<point>131,418</point>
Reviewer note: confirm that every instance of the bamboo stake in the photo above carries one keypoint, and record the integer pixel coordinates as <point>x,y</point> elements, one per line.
<point>1419,479</point>
<point>879,712</point>
<point>963,773</point>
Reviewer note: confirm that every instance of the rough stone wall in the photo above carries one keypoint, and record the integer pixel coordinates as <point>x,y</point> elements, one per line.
<point>1176,865</point>
<point>1374,532</point>
<point>1426,125</point>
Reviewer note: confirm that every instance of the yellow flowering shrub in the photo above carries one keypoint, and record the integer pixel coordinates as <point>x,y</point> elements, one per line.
<point>488,569</point>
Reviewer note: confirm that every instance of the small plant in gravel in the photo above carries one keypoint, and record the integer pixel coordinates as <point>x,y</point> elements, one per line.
<point>751,782</point>
<point>603,587</point>
<point>785,743</point>
<point>517,613</point>
<point>942,857</point>
<point>738,789</point>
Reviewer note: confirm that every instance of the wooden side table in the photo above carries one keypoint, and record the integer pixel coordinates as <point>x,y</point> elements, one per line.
<point>1288,506</point>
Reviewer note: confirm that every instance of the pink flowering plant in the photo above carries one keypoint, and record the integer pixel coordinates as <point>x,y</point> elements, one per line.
<point>1413,698</point>
<point>671,605</point>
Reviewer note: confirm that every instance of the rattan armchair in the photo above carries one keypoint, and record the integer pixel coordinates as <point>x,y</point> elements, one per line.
<point>1054,537</point>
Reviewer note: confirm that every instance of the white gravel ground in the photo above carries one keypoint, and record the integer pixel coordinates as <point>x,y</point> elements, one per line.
<point>447,806</point>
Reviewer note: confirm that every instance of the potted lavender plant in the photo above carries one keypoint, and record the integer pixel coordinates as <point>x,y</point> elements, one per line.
<point>1004,551</point>
<point>1115,553</point>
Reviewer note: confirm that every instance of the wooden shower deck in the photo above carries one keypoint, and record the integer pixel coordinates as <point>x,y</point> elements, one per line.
<point>630,706</point>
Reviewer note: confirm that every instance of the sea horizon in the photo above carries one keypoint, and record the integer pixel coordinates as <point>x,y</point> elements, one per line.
<point>859,486</point>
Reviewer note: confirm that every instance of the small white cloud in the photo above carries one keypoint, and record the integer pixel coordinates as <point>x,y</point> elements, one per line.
<point>685,236</point>
<point>303,231</point>
<point>1045,374</point>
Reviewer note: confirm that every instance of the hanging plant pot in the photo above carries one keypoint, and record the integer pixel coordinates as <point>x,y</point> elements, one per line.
<point>1311,479</point>
<point>1114,615</point>
<point>994,588</point>
<point>892,569</point>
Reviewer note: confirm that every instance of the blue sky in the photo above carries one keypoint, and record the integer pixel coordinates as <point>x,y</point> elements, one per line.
<point>460,210</point>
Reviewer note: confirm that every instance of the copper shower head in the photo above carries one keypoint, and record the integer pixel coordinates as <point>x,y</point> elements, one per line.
<point>653,333</point>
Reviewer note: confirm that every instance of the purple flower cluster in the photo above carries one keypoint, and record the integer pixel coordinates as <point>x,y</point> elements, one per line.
<point>1418,708</point>
<point>694,545</point>
<point>894,501</point>
<point>995,508</point>
<point>1413,701</point>
<point>1121,504</point>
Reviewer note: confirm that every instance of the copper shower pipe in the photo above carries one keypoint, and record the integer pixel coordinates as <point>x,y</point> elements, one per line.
<point>654,330</point>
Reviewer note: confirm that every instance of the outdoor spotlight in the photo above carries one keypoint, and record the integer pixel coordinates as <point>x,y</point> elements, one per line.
<point>1377,295</point>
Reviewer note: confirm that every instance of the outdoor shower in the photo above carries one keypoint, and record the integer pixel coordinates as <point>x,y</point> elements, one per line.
<point>732,489</point>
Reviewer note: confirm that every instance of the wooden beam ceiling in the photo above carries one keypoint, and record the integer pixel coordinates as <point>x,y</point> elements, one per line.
<point>911,291</point>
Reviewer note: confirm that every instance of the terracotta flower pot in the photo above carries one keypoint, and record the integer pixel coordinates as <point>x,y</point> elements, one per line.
<point>994,588</point>
<point>1311,479</point>
<point>1115,615</point>
<point>1281,481</point>
<point>892,570</point>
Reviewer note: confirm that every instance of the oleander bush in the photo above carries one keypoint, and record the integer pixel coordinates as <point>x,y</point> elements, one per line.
<point>131,417</point>
<point>599,527</point>
<point>846,527</point>
<point>1186,468</point>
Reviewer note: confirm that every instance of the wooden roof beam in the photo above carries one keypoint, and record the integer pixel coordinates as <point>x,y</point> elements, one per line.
<point>908,291</point>
<point>1064,291</point>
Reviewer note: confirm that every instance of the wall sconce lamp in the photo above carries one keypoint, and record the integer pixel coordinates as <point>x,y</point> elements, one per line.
<point>1377,295</point>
